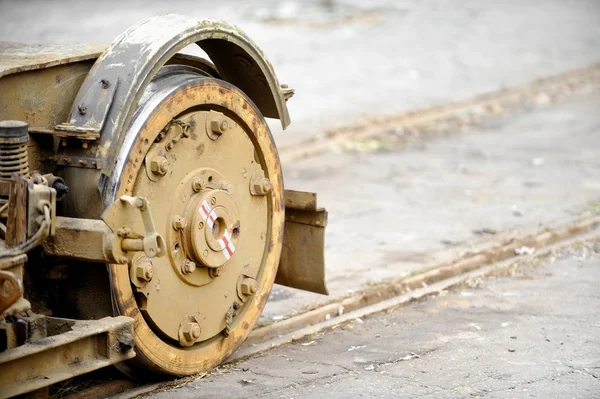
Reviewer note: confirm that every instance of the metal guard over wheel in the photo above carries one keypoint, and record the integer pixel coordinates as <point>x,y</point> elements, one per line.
<point>200,151</point>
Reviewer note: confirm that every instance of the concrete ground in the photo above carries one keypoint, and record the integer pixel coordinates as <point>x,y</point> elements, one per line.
<point>350,59</point>
<point>394,211</point>
<point>533,332</point>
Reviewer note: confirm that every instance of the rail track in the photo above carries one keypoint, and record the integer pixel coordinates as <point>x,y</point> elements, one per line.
<point>491,257</point>
<point>482,262</point>
<point>451,117</point>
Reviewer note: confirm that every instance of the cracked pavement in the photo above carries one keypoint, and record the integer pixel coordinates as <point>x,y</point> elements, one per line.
<point>529,332</point>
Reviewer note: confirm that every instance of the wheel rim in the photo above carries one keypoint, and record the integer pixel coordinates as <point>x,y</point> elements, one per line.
<point>249,224</point>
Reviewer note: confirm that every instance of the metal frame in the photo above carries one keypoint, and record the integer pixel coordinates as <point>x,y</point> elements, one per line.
<point>112,90</point>
<point>88,346</point>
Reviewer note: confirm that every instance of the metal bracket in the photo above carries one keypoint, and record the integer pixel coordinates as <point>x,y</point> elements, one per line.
<point>152,244</point>
<point>109,239</point>
<point>99,99</point>
<point>137,55</point>
<point>79,162</point>
<point>302,262</point>
<point>87,346</point>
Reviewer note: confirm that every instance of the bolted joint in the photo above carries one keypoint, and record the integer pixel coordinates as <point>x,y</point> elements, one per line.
<point>198,184</point>
<point>261,186</point>
<point>179,222</point>
<point>159,165</point>
<point>188,267</point>
<point>249,286</point>
<point>219,126</point>
<point>214,272</point>
<point>190,332</point>
<point>144,271</point>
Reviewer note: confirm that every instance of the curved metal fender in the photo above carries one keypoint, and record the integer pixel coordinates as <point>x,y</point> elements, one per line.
<point>110,93</point>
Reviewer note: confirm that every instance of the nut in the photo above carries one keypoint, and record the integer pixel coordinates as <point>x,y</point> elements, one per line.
<point>188,267</point>
<point>179,222</point>
<point>261,186</point>
<point>248,286</point>
<point>219,126</point>
<point>191,331</point>
<point>144,271</point>
<point>198,184</point>
<point>214,272</point>
<point>159,165</point>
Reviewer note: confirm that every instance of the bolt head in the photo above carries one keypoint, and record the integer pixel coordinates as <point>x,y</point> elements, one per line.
<point>214,272</point>
<point>191,331</point>
<point>249,286</point>
<point>179,223</point>
<point>261,186</point>
<point>219,126</point>
<point>265,185</point>
<point>198,184</point>
<point>213,201</point>
<point>159,165</point>
<point>144,271</point>
<point>188,266</point>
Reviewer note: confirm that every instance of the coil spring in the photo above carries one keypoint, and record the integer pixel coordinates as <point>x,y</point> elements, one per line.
<point>13,159</point>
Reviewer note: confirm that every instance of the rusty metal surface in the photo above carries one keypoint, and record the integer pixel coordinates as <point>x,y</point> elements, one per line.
<point>71,233</point>
<point>43,97</point>
<point>16,225</point>
<point>20,57</point>
<point>136,56</point>
<point>11,278</point>
<point>11,289</point>
<point>302,263</point>
<point>301,200</point>
<point>187,135</point>
<point>88,346</point>
<point>169,301</point>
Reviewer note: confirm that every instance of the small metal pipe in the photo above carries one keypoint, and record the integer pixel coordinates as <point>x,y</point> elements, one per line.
<point>132,244</point>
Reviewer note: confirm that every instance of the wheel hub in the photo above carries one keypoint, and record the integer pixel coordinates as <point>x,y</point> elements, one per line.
<point>214,227</point>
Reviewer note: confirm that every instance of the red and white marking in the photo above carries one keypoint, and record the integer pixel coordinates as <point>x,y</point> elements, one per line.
<point>207,214</point>
<point>225,242</point>
<point>227,245</point>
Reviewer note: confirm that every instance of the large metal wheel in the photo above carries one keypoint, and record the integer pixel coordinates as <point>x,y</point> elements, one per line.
<point>200,151</point>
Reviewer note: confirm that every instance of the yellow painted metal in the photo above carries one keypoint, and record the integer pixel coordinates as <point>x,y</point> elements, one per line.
<point>87,346</point>
<point>170,298</point>
<point>302,262</point>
